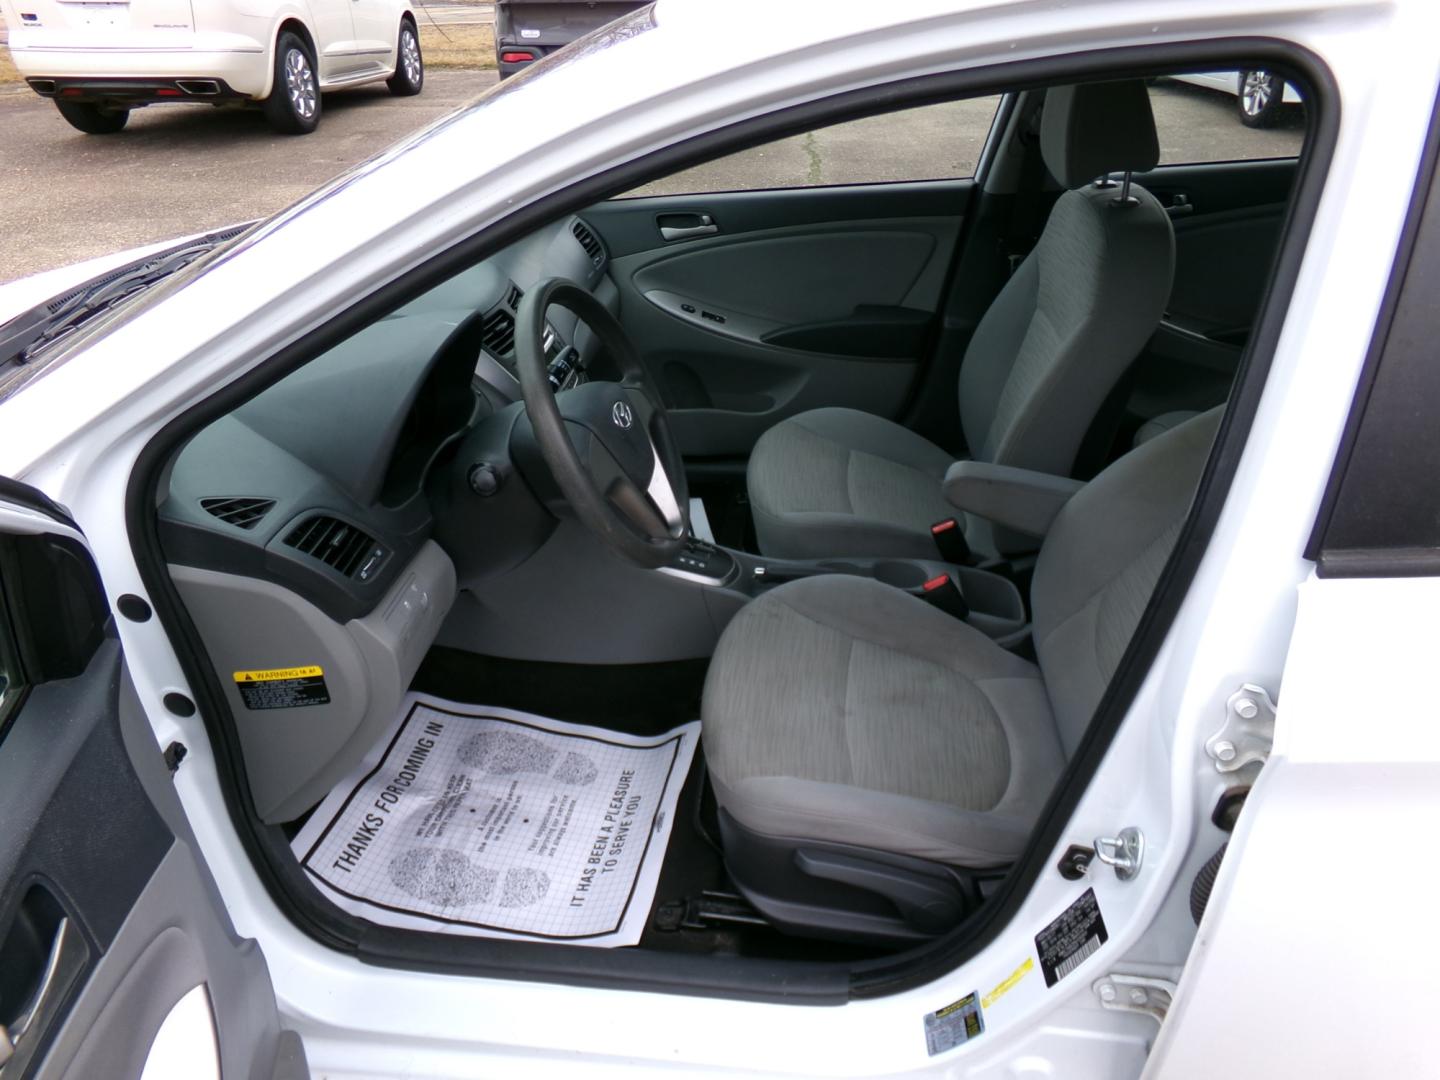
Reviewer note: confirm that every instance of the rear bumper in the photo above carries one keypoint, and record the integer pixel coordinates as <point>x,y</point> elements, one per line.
<point>137,91</point>
<point>244,69</point>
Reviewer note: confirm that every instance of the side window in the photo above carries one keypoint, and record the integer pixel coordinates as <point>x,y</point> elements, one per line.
<point>1227,116</point>
<point>931,142</point>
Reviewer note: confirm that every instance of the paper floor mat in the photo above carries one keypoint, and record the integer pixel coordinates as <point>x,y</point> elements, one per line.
<point>473,820</point>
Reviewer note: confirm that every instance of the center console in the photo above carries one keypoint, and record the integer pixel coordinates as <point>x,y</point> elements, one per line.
<point>987,600</point>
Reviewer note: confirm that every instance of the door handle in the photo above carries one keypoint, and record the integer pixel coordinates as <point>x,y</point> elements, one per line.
<point>686,226</point>
<point>66,960</point>
<point>1179,206</point>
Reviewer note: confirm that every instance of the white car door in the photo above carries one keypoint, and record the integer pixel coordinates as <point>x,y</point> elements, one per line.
<point>334,38</point>
<point>116,956</point>
<point>377,32</point>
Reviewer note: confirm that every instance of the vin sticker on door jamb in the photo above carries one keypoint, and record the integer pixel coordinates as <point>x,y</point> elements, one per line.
<point>283,688</point>
<point>956,1023</point>
<point>1071,939</point>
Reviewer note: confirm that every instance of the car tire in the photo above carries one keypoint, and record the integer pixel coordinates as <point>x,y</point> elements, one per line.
<point>91,118</point>
<point>1260,99</point>
<point>409,77</point>
<point>293,107</point>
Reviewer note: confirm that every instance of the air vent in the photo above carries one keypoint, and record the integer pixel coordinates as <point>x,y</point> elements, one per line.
<point>498,332</point>
<point>342,547</point>
<point>589,242</point>
<point>514,296</point>
<point>243,513</point>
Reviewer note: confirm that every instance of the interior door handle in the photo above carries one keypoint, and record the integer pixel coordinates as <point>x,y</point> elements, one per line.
<point>693,225</point>
<point>66,960</point>
<point>1179,206</point>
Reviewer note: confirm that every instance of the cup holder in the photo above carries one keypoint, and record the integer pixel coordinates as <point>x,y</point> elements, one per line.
<point>900,574</point>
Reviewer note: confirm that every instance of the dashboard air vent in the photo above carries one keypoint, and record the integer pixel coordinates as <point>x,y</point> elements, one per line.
<point>497,333</point>
<point>514,296</point>
<point>243,513</point>
<point>589,241</point>
<point>342,547</point>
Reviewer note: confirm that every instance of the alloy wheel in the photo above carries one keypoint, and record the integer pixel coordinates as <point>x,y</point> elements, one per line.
<point>410,55</point>
<point>1257,93</point>
<point>300,83</point>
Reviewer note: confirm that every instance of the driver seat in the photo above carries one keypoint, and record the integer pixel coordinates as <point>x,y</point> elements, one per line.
<point>874,758</point>
<point>1068,323</point>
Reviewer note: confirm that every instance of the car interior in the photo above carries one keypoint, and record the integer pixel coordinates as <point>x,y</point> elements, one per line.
<point>873,479</point>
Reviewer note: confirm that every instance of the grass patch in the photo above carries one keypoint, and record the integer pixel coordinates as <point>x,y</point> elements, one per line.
<point>456,46</point>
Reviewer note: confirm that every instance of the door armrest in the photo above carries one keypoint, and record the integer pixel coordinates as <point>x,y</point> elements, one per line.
<point>1019,499</point>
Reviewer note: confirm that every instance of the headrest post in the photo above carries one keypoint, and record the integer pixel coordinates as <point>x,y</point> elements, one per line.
<point>1125,198</point>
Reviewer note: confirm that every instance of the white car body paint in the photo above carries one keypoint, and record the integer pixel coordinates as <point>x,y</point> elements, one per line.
<point>76,433</point>
<point>233,40</point>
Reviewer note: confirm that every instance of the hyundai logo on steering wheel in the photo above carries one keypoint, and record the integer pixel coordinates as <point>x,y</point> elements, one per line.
<point>622,415</point>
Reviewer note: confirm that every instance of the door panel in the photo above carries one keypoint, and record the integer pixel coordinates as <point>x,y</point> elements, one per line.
<point>334,38</point>
<point>377,31</point>
<point>763,304</point>
<point>107,914</point>
<point>1228,218</point>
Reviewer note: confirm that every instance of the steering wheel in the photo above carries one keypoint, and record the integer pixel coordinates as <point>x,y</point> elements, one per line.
<point>607,444</point>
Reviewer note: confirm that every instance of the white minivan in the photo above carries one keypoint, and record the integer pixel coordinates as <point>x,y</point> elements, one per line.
<point>100,60</point>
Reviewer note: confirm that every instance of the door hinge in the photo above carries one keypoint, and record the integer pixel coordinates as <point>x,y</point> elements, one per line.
<point>1135,993</point>
<point>1248,731</point>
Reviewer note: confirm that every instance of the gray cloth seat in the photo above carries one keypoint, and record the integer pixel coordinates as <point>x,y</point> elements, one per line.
<point>838,710</point>
<point>1158,425</point>
<point>1061,332</point>
<point>840,481</point>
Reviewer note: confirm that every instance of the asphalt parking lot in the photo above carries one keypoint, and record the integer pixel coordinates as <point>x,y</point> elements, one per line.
<point>182,169</point>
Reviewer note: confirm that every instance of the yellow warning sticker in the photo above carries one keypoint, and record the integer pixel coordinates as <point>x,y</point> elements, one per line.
<point>283,688</point>
<point>280,674</point>
<point>1009,982</point>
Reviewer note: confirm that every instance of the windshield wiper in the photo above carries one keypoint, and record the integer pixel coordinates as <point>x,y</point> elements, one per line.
<point>24,337</point>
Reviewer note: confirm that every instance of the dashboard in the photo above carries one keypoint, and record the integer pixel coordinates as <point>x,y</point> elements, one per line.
<point>318,483</point>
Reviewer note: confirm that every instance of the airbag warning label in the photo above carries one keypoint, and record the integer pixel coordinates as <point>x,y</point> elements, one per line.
<point>1071,939</point>
<point>283,688</point>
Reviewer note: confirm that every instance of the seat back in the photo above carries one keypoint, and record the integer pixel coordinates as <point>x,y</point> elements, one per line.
<point>1081,306</point>
<point>1101,561</point>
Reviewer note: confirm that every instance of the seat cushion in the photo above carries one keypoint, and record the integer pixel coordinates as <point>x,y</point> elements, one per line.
<point>1158,425</point>
<point>843,482</point>
<point>840,709</point>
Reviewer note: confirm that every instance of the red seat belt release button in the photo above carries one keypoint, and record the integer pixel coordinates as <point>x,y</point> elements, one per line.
<point>950,541</point>
<point>942,591</point>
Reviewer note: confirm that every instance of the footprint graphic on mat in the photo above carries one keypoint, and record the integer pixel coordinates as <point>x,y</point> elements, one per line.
<point>445,878</point>
<point>449,879</point>
<point>505,753</point>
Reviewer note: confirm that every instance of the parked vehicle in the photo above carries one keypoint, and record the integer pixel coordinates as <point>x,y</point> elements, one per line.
<point>529,30</point>
<point>1261,97</point>
<point>1061,650</point>
<point>100,61</point>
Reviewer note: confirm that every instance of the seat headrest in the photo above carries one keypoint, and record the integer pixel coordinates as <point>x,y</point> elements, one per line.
<point>1092,129</point>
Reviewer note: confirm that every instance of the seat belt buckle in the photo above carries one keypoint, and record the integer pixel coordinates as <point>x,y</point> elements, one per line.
<point>951,543</point>
<point>942,591</point>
